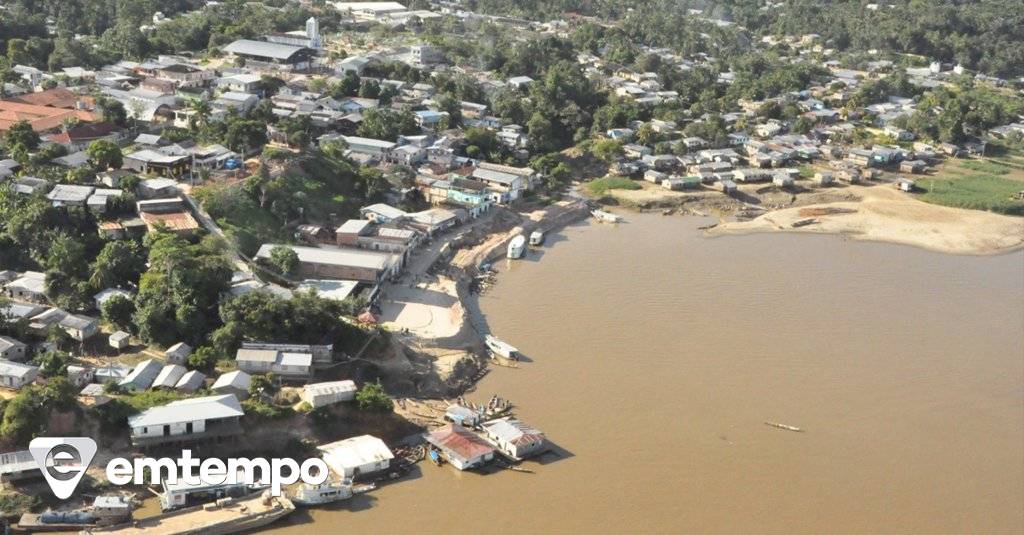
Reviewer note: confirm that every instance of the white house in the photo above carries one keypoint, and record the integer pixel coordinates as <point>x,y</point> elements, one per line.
<point>322,394</point>
<point>169,376</point>
<point>187,419</point>
<point>285,364</point>
<point>142,375</point>
<point>356,456</point>
<point>514,437</point>
<point>16,375</point>
<point>178,353</point>
<point>234,382</point>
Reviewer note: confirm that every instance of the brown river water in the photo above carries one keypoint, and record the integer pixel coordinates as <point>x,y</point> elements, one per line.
<point>656,356</point>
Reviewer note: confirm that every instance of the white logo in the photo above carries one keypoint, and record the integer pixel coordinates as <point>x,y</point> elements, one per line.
<point>63,461</point>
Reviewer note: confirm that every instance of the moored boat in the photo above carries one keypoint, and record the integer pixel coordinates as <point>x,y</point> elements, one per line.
<point>500,348</point>
<point>606,217</point>
<point>227,515</point>
<point>517,247</point>
<point>326,492</point>
<point>537,237</point>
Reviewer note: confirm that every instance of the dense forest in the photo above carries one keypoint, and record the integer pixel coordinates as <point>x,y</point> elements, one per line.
<point>986,35</point>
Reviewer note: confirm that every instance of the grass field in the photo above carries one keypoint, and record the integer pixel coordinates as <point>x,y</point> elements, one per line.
<point>601,186</point>
<point>990,183</point>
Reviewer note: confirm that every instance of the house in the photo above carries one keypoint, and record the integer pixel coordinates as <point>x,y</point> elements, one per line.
<point>80,375</point>
<point>728,187</point>
<point>191,381</point>
<point>30,286</point>
<point>30,185</point>
<point>905,184</point>
<point>16,375</point>
<point>13,350</point>
<point>633,150</point>
<point>69,195</point>
<point>515,438</point>
<point>169,376</point>
<point>677,184</point>
<point>655,177</point>
<point>462,415</point>
<point>119,340</point>
<point>461,447</point>
<point>783,180</point>
<point>382,213</point>
<point>357,456</point>
<point>79,327</point>
<point>18,465</point>
<point>187,420</point>
<point>323,394</point>
<point>178,353</point>
<point>234,382</point>
<point>142,375</point>
<point>77,138</point>
<point>341,263</point>
<point>241,102</point>
<point>287,365</point>
<point>157,162</point>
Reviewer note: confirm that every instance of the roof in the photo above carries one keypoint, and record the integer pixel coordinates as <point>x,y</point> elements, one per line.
<point>41,118</point>
<point>331,387</point>
<point>263,49</point>
<point>85,132</point>
<point>385,210</point>
<point>336,256</point>
<point>58,97</point>
<point>70,193</point>
<point>357,451</point>
<point>174,221</point>
<point>455,439</point>
<point>513,431</point>
<point>500,177</point>
<point>143,374</point>
<point>169,376</point>
<point>180,349</point>
<point>338,290</point>
<point>15,369</point>
<point>191,381</point>
<point>353,226</point>
<point>190,410</point>
<point>237,379</point>
<point>7,342</point>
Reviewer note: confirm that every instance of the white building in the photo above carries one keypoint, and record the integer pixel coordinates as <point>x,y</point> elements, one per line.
<point>357,456</point>
<point>11,349</point>
<point>323,394</point>
<point>284,364</point>
<point>514,437</point>
<point>16,375</point>
<point>461,447</point>
<point>235,382</point>
<point>142,375</point>
<point>187,419</point>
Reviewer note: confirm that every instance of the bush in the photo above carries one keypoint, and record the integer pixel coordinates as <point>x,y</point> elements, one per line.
<point>602,186</point>
<point>372,397</point>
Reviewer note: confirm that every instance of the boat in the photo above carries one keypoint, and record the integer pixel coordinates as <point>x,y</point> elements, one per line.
<point>500,348</point>
<point>537,237</point>
<point>784,426</point>
<point>227,515</point>
<point>326,492</point>
<point>517,247</point>
<point>605,217</point>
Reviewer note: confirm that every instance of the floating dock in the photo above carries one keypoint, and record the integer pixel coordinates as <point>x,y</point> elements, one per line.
<point>226,516</point>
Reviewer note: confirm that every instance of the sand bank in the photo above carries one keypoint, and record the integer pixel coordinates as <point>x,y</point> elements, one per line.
<point>889,215</point>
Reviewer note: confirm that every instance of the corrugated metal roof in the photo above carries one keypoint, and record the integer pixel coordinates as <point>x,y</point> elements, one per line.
<point>263,49</point>
<point>190,410</point>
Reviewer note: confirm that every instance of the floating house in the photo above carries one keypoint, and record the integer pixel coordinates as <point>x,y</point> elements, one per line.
<point>357,456</point>
<point>461,447</point>
<point>515,438</point>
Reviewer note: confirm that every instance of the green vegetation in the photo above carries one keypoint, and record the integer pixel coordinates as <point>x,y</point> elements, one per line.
<point>372,397</point>
<point>16,503</point>
<point>603,185</point>
<point>985,166</point>
<point>977,191</point>
<point>26,414</point>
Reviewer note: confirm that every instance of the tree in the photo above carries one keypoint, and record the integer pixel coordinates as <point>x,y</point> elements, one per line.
<point>105,154</point>
<point>53,363</point>
<point>112,111</point>
<point>542,133</point>
<point>243,135</point>
<point>387,124</point>
<point>204,358</point>
<point>21,135</point>
<point>607,150</point>
<point>284,258</point>
<point>118,311</point>
<point>372,397</point>
<point>118,265</point>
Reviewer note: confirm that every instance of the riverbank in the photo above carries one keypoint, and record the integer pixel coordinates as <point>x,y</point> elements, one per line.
<point>885,214</point>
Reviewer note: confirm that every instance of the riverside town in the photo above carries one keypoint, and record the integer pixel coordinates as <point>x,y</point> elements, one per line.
<point>673,266</point>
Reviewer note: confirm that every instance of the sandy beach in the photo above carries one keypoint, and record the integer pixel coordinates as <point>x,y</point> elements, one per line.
<point>889,215</point>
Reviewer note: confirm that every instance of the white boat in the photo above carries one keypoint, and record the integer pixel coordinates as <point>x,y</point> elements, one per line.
<point>328,492</point>
<point>500,348</point>
<point>606,217</point>
<point>537,237</point>
<point>517,247</point>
